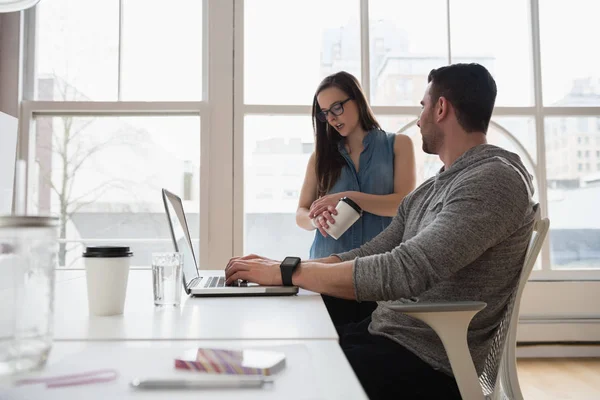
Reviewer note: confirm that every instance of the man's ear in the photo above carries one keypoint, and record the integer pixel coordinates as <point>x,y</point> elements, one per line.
<point>442,109</point>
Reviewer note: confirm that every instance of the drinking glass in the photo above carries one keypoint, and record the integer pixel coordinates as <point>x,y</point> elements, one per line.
<point>28,255</point>
<point>166,278</point>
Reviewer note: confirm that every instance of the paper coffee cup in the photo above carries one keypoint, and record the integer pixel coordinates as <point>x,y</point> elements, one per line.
<point>348,212</point>
<point>107,272</point>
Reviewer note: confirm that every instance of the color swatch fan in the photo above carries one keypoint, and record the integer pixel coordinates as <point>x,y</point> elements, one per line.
<point>232,362</point>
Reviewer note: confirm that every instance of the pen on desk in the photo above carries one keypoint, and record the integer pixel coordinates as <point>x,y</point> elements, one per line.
<point>240,383</point>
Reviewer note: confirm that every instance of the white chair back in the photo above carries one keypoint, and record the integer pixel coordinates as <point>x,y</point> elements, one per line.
<point>499,378</point>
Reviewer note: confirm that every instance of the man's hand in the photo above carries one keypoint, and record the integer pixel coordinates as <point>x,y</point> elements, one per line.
<point>253,268</point>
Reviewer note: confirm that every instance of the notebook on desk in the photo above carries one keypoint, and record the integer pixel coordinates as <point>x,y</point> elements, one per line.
<point>199,283</point>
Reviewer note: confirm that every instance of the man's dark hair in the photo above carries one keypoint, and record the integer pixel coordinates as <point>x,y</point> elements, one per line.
<point>470,89</point>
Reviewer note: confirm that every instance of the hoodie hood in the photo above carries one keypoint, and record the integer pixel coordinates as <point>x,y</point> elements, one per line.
<point>486,153</point>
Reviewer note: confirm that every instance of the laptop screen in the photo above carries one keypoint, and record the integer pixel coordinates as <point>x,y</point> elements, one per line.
<point>181,235</point>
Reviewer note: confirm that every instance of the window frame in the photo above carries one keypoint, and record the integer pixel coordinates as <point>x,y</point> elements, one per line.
<point>543,314</point>
<point>215,242</point>
<point>537,112</point>
<point>223,22</point>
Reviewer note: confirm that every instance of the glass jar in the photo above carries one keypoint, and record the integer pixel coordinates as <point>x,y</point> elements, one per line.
<point>28,254</point>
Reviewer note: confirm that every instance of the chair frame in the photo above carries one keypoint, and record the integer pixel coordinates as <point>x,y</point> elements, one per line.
<point>451,322</point>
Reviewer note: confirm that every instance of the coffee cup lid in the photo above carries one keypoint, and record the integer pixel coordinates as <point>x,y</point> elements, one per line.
<point>352,204</point>
<point>107,251</point>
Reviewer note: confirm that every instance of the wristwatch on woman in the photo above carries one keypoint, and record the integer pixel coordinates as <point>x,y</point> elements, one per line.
<point>287,267</point>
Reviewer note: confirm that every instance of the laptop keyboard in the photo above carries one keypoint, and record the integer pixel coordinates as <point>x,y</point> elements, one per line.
<point>215,281</point>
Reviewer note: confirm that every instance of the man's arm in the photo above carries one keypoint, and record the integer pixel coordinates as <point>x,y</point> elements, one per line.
<point>482,211</point>
<point>485,208</point>
<point>332,279</point>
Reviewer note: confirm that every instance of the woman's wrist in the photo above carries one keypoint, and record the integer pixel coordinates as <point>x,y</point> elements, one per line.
<point>346,194</point>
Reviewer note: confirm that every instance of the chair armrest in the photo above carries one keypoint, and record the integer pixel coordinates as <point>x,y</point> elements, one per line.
<point>426,307</point>
<point>450,320</point>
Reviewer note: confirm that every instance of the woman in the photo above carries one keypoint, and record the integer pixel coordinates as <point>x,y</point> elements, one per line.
<point>353,158</point>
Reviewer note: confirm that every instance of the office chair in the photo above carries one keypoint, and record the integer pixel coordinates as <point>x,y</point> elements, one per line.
<point>499,380</point>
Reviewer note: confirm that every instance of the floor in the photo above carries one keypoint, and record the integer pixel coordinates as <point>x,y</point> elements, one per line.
<point>564,379</point>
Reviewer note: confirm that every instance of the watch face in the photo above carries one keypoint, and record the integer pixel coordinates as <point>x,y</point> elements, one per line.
<point>289,261</point>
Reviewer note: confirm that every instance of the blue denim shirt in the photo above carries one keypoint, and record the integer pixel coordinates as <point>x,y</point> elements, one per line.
<point>375,176</point>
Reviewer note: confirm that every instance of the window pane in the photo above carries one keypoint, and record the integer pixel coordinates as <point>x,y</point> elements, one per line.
<point>516,134</point>
<point>403,49</point>
<point>289,47</point>
<point>275,162</point>
<point>162,50</point>
<point>480,34</point>
<point>573,192</point>
<point>564,28</point>
<point>103,176</point>
<point>77,50</point>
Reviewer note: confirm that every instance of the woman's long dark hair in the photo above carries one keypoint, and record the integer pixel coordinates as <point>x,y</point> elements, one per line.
<point>329,161</point>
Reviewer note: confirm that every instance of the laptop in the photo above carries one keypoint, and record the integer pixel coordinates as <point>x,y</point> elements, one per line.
<point>200,283</point>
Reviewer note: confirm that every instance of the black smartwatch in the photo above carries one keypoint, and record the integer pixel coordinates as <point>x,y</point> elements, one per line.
<point>287,267</point>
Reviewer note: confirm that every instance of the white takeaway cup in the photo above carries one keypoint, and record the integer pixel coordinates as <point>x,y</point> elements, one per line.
<point>107,272</point>
<point>348,212</point>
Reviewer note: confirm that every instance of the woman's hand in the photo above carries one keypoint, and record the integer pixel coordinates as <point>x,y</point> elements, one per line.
<point>253,268</point>
<point>325,203</point>
<point>322,221</point>
<point>322,211</point>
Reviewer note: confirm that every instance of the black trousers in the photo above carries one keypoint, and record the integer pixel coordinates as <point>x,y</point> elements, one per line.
<point>387,370</point>
<point>344,311</point>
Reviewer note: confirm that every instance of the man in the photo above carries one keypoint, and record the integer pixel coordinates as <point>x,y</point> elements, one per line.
<point>461,235</point>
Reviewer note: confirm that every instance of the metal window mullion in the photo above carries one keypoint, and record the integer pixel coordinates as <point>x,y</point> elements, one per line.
<point>221,131</point>
<point>274,109</point>
<point>120,52</point>
<point>26,144</point>
<point>365,48</point>
<point>204,190</point>
<point>570,111</point>
<point>205,50</point>
<point>539,120</point>
<point>114,107</point>
<point>29,59</point>
<point>205,149</point>
<point>565,275</point>
<point>449,32</point>
<point>239,112</point>
<point>258,109</point>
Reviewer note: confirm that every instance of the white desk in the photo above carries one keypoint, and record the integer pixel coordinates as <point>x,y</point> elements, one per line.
<point>299,317</point>
<point>315,369</point>
<point>144,341</point>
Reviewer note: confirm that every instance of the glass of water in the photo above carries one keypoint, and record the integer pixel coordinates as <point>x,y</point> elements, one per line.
<point>166,278</point>
<point>28,255</point>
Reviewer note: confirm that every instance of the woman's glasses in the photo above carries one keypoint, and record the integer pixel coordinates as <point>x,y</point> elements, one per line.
<point>336,109</point>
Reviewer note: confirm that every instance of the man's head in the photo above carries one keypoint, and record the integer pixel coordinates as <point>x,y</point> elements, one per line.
<point>458,97</point>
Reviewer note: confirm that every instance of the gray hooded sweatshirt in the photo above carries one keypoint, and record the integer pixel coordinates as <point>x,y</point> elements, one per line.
<point>461,235</point>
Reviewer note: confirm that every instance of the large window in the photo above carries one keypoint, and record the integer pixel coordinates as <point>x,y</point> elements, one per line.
<point>575,83</point>
<point>391,50</point>
<point>124,97</point>
<point>119,50</point>
<point>114,114</point>
<point>284,60</point>
<point>573,187</point>
<point>103,177</point>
